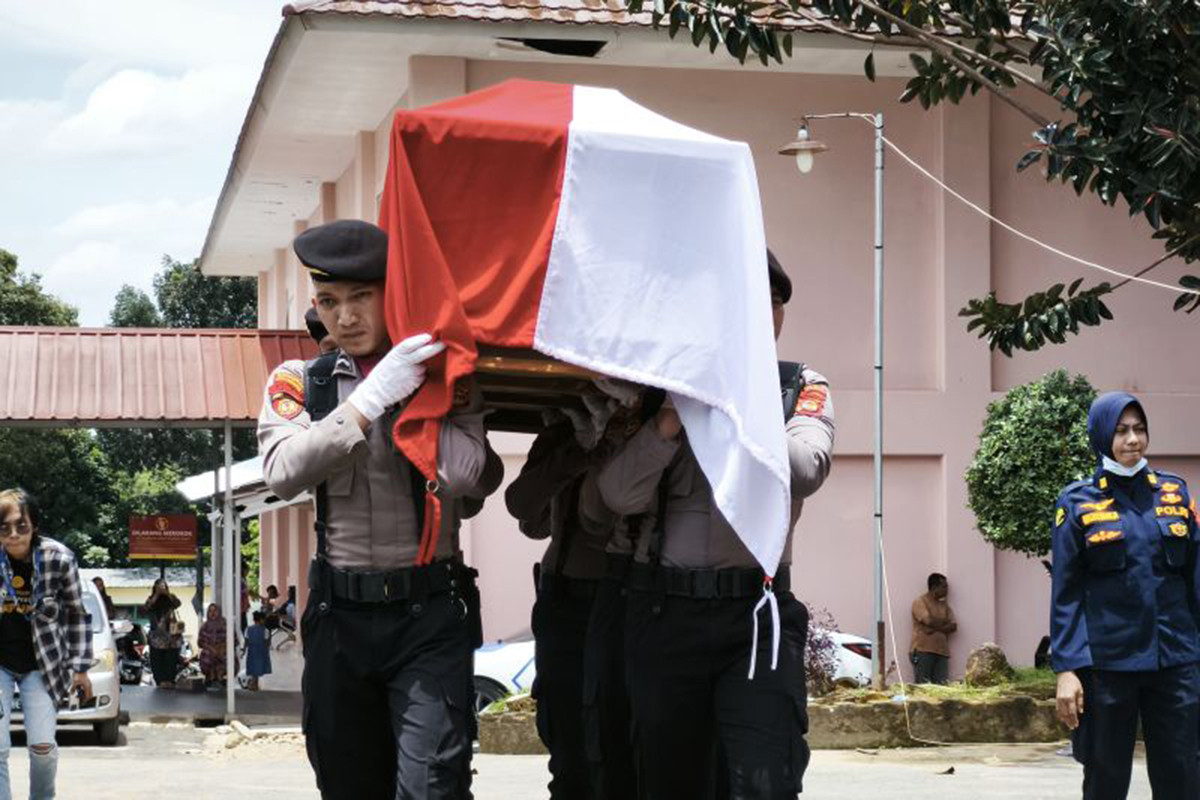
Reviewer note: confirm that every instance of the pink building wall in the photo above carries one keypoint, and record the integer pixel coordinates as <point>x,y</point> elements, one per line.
<point>938,378</point>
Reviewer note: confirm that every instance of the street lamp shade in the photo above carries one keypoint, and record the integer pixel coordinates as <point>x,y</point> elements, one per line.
<point>803,148</point>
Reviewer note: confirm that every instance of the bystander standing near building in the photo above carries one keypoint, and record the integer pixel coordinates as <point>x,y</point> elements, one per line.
<point>933,623</point>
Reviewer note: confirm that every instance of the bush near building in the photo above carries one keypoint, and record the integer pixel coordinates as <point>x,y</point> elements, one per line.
<point>1034,442</point>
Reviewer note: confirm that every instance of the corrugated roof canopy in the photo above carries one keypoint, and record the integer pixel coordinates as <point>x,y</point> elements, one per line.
<point>139,377</point>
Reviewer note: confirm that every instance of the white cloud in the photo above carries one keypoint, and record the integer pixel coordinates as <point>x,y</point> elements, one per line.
<point>24,124</point>
<point>172,34</point>
<point>141,113</point>
<point>107,246</point>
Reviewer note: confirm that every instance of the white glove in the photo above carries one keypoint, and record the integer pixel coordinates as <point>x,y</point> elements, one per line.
<point>399,374</point>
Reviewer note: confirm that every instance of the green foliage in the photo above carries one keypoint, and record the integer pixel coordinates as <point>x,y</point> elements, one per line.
<point>1125,77</point>
<point>23,301</point>
<point>1044,316</point>
<point>65,470</point>
<point>251,554</point>
<point>133,308</point>
<point>1034,442</point>
<point>188,299</point>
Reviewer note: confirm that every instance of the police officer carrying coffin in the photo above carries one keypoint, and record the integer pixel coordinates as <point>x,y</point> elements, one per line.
<point>387,645</point>
<point>1124,616</point>
<point>691,607</point>
<point>588,759</point>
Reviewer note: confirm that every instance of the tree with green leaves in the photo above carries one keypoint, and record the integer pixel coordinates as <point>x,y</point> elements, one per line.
<point>133,308</point>
<point>1124,77</point>
<point>23,301</point>
<point>188,298</point>
<point>1034,442</point>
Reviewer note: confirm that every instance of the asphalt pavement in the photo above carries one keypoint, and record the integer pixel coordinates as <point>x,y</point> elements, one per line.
<point>177,760</point>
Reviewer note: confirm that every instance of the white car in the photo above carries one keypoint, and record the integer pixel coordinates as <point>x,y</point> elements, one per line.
<point>103,713</point>
<point>501,669</point>
<point>504,668</point>
<point>854,658</point>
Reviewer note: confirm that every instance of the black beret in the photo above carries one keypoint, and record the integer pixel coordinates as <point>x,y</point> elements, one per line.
<point>780,282</point>
<point>316,328</point>
<point>345,250</point>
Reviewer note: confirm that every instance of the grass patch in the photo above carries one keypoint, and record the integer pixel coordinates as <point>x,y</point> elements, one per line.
<point>523,702</point>
<point>1027,682</point>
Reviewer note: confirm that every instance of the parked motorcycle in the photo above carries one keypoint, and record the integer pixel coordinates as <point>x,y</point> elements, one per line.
<point>132,657</point>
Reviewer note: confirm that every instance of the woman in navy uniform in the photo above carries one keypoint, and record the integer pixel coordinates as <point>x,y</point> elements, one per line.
<point>1123,619</point>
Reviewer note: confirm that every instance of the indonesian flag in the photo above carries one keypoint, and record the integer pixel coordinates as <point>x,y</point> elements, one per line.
<point>573,221</point>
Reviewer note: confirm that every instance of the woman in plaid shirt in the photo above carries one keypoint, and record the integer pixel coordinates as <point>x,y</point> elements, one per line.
<point>45,637</point>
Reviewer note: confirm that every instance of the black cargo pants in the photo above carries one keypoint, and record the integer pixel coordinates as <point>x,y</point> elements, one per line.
<point>687,664</point>
<point>387,707</point>
<point>560,624</point>
<point>1166,700</point>
<point>606,697</point>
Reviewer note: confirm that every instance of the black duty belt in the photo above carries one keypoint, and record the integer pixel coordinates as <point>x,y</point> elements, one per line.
<point>618,566</point>
<point>394,586</point>
<point>706,584</point>
<point>565,586</point>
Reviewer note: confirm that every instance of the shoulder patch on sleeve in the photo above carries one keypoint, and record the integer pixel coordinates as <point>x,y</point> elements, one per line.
<point>811,402</point>
<point>286,390</point>
<point>1060,516</point>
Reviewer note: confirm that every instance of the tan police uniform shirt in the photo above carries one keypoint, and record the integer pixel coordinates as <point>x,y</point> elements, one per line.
<point>545,500</point>
<point>372,522</point>
<point>695,533</point>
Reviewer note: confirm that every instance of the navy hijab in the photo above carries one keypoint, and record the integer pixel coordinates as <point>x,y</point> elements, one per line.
<point>1103,417</point>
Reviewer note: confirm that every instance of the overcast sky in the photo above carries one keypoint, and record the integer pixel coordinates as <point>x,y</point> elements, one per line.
<point>117,124</point>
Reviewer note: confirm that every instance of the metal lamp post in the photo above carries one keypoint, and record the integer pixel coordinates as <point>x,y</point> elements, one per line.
<point>803,149</point>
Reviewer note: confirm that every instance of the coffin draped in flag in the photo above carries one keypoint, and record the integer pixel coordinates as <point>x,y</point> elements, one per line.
<point>573,221</point>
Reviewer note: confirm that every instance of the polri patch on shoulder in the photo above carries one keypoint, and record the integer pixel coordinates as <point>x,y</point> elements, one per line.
<point>811,402</point>
<point>286,392</point>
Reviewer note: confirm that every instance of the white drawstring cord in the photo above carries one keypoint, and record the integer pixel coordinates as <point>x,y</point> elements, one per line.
<point>769,599</point>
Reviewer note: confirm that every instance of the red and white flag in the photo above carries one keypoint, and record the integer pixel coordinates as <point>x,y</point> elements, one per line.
<point>571,220</point>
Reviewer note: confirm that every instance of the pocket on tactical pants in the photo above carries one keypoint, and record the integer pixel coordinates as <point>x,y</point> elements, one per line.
<point>450,768</point>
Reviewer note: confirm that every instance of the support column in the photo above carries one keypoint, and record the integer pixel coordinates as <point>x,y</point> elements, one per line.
<point>231,582</point>
<point>277,312</point>
<point>364,177</point>
<point>327,211</point>
<point>298,293</point>
<point>264,298</point>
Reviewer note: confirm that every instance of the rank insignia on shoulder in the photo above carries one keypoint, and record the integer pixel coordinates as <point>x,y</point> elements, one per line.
<point>1150,476</point>
<point>1178,529</point>
<point>1171,497</point>
<point>811,402</point>
<point>1170,487</point>
<point>1100,516</point>
<point>1101,537</point>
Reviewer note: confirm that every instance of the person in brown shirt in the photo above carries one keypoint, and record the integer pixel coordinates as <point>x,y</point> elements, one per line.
<point>933,622</point>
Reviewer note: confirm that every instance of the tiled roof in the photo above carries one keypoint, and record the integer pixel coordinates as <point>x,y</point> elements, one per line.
<point>126,376</point>
<point>578,12</point>
<point>563,12</point>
